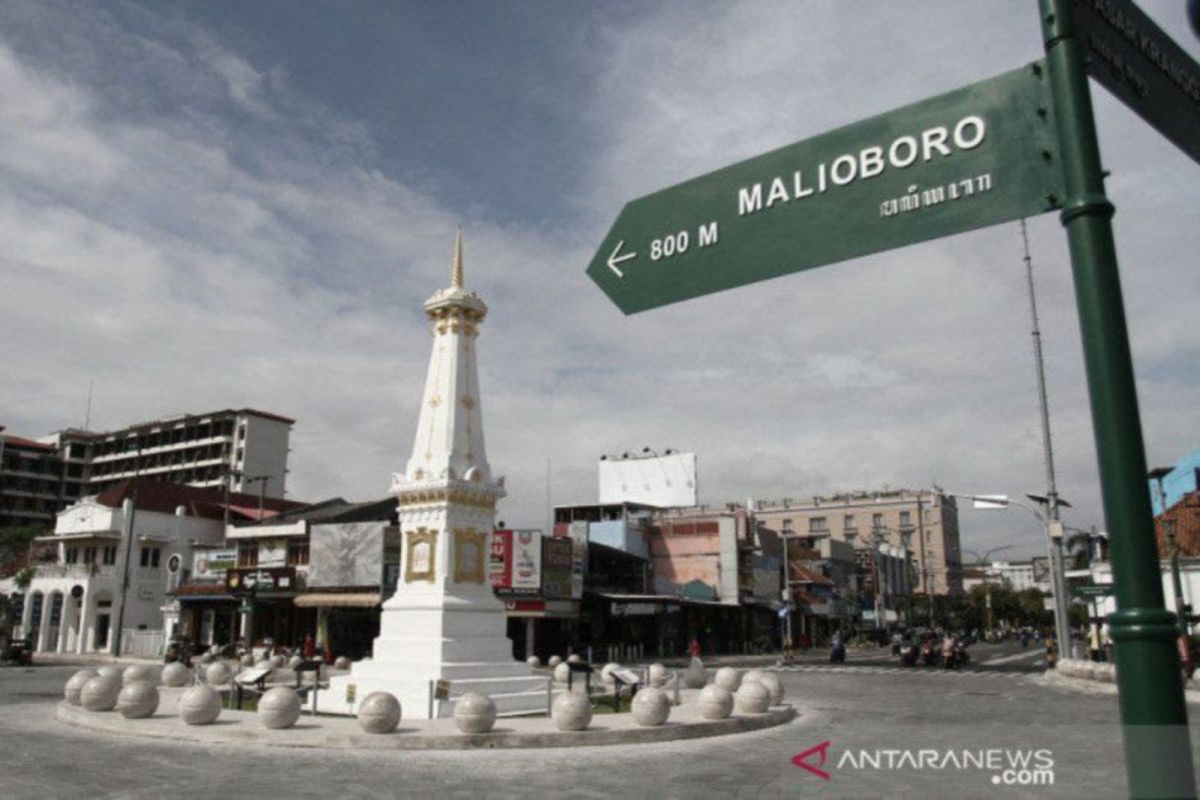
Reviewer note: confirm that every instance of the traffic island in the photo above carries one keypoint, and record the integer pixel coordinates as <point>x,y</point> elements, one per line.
<point>1099,677</point>
<point>330,732</point>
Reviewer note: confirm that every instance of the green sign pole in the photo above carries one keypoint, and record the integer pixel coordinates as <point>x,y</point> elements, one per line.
<point>1153,714</point>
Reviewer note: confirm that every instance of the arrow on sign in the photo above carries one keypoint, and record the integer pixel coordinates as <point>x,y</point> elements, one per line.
<point>615,259</point>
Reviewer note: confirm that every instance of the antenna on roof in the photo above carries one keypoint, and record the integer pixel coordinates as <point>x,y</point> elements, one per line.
<point>87,419</point>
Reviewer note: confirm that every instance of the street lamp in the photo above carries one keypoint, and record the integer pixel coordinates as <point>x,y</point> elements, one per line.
<point>981,560</point>
<point>1048,517</point>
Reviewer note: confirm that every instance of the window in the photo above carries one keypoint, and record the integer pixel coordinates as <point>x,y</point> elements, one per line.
<point>110,554</point>
<point>905,519</point>
<point>248,554</point>
<point>787,524</point>
<point>297,553</point>
<point>150,557</point>
<point>89,555</point>
<point>72,556</point>
<point>848,522</point>
<point>877,520</point>
<point>817,524</point>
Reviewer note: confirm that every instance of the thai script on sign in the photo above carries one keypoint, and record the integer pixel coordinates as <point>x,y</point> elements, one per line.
<point>915,200</point>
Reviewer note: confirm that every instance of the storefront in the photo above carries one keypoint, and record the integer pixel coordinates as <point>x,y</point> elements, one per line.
<point>345,623</point>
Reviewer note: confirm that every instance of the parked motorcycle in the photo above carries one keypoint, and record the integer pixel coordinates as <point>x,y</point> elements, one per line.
<point>908,654</point>
<point>929,653</point>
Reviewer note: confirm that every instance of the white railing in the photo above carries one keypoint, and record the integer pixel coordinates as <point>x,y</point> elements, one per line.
<point>142,644</point>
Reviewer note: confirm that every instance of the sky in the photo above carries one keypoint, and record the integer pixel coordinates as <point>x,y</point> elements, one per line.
<point>223,204</point>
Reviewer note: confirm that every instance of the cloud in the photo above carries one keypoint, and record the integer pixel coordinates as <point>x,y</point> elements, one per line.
<point>183,225</point>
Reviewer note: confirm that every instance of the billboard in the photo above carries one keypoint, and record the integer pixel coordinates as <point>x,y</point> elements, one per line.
<point>515,561</point>
<point>500,560</point>
<point>346,554</point>
<point>211,565</point>
<point>663,481</point>
<point>558,556</point>
<point>578,533</point>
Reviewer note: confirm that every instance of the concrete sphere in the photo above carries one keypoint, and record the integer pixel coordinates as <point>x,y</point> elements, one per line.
<point>651,707</point>
<point>753,675</point>
<point>379,712</point>
<point>208,657</point>
<point>474,713</point>
<point>561,672</point>
<point>533,662</point>
<point>75,685</point>
<point>574,659</point>
<point>716,702</point>
<point>659,675</point>
<point>553,662</point>
<point>278,662</point>
<point>109,671</point>
<point>279,708</point>
<point>137,700</point>
<point>753,698</point>
<point>100,693</point>
<point>138,672</point>
<point>695,676</point>
<point>200,705</point>
<point>218,674</point>
<point>247,660</point>
<point>728,679</point>
<point>294,662</point>
<point>571,711</point>
<point>774,686</point>
<point>176,674</point>
<point>341,662</point>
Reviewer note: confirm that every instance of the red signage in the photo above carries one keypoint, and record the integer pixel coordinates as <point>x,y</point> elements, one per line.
<point>500,560</point>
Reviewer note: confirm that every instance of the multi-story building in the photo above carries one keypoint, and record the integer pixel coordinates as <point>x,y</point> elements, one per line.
<point>922,522</point>
<point>247,448</point>
<point>1022,575</point>
<point>144,529</point>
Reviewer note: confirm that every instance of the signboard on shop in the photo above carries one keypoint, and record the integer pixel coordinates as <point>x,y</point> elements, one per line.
<point>557,563</point>
<point>213,564</point>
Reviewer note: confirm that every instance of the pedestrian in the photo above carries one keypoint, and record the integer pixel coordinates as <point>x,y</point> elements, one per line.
<point>694,648</point>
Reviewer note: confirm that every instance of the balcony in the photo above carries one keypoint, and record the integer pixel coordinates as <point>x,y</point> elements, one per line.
<point>75,570</point>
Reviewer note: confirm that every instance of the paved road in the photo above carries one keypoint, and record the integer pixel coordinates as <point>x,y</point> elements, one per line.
<point>868,705</point>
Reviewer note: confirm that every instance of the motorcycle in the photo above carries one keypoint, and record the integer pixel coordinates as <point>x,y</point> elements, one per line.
<point>908,654</point>
<point>929,654</point>
<point>837,654</point>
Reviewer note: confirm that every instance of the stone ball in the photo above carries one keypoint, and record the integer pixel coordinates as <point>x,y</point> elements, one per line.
<point>278,662</point>
<point>341,662</point>
<point>100,693</point>
<point>247,660</point>
<point>651,707</point>
<point>728,679</point>
<point>753,675</point>
<point>774,686</point>
<point>716,702</point>
<point>264,664</point>
<point>571,711</point>
<point>753,698</point>
<point>553,662</point>
<point>606,672</point>
<point>109,671</point>
<point>294,662</point>
<point>176,674</point>
<point>200,705</point>
<point>659,675</point>
<point>695,676</point>
<point>474,713</point>
<point>218,674</point>
<point>574,658</point>
<point>138,672</point>
<point>208,657</point>
<point>75,685</point>
<point>379,712</point>
<point>279,708</point>
<point>561,673</point>
<point>533,662</point>
<point>137,700</point>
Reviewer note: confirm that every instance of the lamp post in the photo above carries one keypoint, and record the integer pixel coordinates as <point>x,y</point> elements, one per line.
<point>987,586</point>
<point>1053,529</point>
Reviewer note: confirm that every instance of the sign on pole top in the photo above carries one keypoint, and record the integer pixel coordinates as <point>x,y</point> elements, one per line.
<point>979,155</point>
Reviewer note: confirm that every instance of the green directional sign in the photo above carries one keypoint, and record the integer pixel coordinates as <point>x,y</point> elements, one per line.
<point>1093,590</point>
<point>980,155</point>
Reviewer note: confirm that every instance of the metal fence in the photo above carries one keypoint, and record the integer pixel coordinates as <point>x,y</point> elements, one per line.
<point>143,644</point>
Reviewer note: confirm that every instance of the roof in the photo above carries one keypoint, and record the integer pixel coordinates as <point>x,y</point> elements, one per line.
<point>154,495</point>
<point>20,441</point>
<point>335,509</point>
<point>176,418</point>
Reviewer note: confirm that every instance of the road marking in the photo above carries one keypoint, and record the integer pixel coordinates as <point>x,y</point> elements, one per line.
<point>1018,657</point>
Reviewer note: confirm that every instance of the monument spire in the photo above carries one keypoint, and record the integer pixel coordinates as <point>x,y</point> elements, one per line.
<point>456,275</point>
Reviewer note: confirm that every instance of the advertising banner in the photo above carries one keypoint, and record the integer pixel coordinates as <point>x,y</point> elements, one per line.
<point>211,565</point>
<point>272,553</point>
<point>500,560</point>
<point>526,561</point>
<point>558,557</point>
<point>578,532</point>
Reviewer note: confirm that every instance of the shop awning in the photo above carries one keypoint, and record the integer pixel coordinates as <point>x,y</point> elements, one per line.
<point>337,600</point>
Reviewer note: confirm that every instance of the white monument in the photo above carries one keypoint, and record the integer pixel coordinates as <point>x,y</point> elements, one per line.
<point>444,623</point>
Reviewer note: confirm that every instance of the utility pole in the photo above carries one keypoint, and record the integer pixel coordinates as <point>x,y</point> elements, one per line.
<point>1058,580</point>
<point>128,512</point>
<point>1158,752</point>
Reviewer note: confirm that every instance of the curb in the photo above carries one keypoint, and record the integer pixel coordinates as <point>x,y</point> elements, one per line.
<point>250,731</point>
